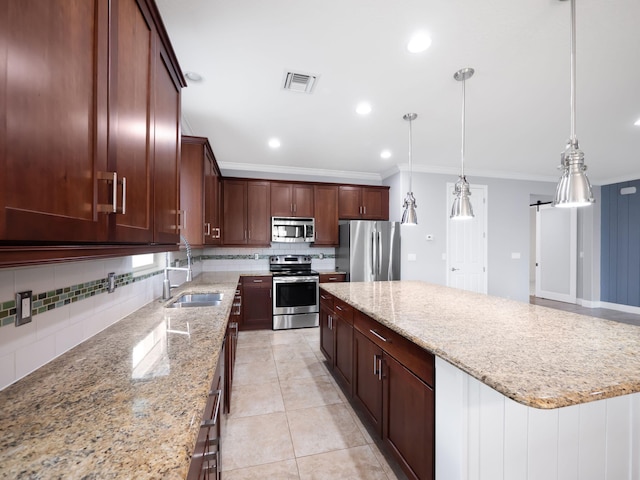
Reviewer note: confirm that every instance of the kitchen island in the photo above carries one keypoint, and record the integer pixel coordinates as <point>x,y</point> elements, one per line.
<point>126,403</point>
<point>522,391</point>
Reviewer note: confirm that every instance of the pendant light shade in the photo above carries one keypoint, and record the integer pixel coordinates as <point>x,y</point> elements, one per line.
<point>461,209</point>
<point>574,188</point>
<point>409,216</point>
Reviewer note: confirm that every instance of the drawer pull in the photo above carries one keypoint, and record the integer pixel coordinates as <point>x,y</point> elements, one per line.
<point>212,462</point>
<point>380,336</point>
<point>257,281</point>
<point>333,279</point>
<point>338,307</point>
<point>213,421</point>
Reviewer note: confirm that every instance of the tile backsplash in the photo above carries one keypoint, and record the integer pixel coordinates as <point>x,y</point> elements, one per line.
<point>71,303</point>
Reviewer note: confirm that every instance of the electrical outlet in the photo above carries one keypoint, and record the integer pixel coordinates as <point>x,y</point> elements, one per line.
<point>256,256</point>
<point>111,282</point>
<point>23,307</point>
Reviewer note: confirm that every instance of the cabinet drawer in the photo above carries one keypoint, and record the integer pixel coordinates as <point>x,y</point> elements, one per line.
<point>326,299</point>
<point>343,310</point>
<point>332,277</point>
<point>414,358</point>
<point>257,281</point>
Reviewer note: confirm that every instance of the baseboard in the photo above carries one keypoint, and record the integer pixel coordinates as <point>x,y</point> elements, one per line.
<point>620,307</point>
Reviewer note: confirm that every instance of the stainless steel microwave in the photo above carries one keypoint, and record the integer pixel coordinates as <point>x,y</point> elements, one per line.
<point>293,229</point>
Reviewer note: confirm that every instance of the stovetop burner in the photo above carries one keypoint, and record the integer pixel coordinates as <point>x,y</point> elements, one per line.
<point>291,265</point>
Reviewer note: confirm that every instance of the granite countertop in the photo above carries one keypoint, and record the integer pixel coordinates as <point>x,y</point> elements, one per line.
<point>537,356</point>
<point>126,403</point>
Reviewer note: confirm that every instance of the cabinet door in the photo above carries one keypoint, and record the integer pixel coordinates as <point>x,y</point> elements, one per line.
<point>53,121</point>
<point>234,230</point>
<point>258,216</point>
<point>166,168</point>
<point>130,118</point>
<point>375,204</point>
<point>349,202</point>
<point>281,200</point>
<point>326,334</point>
<point>256,297</point>
<point>343,362</point>
<point>191,191</point>
<point>303,200</point>
<point>367,383</point>
<point>212,201</point>
<point>326,215</point>
<point>408,426</point>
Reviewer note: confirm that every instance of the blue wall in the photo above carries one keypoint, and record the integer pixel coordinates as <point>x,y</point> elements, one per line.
<point>620,257</point>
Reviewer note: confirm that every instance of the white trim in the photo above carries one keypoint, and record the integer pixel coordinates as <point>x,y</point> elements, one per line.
<point>619,307</point>
<point>279,169</point>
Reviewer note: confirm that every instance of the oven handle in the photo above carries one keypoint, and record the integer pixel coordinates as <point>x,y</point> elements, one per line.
<point>296,279</point>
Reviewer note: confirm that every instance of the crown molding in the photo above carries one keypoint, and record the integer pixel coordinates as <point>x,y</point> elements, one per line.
<point>288,170</point>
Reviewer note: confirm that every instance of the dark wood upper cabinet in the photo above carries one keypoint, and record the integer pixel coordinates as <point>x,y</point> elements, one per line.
<point>131,116</point>
<point>326,215</point>
<point>95,131</point>
<point>365,203</point>
<point>246,218</point>
<point>53,125</point>
<point>199,192</point>
<point>292,200</point>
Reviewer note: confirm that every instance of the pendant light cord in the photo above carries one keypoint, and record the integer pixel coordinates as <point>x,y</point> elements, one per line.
<point>410,153</point>
<point>462,150</point>
<point>573,139</point>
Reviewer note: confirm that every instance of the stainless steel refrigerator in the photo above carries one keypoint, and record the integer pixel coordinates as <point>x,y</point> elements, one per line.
<point>369,250</point>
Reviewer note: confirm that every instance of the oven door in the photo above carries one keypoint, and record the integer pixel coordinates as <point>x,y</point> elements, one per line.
<point>295,294</point>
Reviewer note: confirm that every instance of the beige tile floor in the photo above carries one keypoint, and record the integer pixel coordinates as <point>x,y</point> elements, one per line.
<point>290,420</point>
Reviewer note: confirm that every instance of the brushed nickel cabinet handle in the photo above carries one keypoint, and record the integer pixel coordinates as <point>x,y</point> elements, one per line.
<point>207,227</point>
<point>380,336</point>
<point>213,421</point>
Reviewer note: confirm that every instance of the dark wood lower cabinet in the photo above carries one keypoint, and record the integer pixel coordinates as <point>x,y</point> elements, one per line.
<point>408,418</point>
<point>205,461</point>
<point>388,378</point>
<point>257,303</point>
<point>367,384</point>
<point>343,360</point>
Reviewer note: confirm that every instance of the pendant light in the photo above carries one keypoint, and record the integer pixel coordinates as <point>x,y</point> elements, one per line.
<point>574,188</point>
<point>461,209</point>
<point>409,216</point>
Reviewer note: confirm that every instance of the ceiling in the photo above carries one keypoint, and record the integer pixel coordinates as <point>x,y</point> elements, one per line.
<point>517,103</point>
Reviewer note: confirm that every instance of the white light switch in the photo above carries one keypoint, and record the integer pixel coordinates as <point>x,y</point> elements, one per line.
<point>411,257</point>
<point>515,255</point>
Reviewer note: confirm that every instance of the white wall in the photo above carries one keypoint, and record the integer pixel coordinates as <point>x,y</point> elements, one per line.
<point>508,232</point>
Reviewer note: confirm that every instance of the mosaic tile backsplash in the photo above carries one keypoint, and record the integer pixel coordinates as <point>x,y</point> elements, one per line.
<point>45,301</point>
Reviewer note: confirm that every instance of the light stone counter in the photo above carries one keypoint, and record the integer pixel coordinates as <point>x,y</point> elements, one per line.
<point>537,356</point>
<point>126,403</point>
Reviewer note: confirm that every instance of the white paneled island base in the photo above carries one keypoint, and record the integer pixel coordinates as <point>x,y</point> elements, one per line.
<point>484,435</point>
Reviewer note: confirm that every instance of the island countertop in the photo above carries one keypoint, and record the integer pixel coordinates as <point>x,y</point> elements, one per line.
<point>126,403</point>
<point>537,356</point>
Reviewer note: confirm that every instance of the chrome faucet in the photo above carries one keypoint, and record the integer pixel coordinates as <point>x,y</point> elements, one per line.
<point>166,283</point>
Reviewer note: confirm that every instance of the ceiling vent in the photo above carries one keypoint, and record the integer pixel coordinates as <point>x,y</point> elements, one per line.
<point>299,82</point>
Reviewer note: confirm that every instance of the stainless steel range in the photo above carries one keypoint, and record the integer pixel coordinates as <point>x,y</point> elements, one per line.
<point>296,301</point>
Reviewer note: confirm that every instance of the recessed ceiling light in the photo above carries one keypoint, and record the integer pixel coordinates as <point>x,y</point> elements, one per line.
<point>419,42</point>
<point>637,124</point>
<point>193,76</point>
<point>363,108</point>
<point>274,143</point>
<point>385,154</point>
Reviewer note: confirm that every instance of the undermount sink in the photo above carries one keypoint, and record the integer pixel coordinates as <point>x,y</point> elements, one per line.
<point>197,300</point>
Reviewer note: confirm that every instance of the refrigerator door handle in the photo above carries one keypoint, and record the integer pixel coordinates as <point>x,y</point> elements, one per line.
<point>379,255</point>
<point>372,257</point>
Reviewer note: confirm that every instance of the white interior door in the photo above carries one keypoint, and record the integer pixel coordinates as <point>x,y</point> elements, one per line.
<point>467,244</point>
<point>556,253</point>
